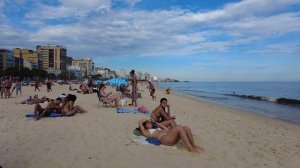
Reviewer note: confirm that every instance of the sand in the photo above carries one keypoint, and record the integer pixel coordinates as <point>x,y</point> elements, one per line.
<point>102,137</point>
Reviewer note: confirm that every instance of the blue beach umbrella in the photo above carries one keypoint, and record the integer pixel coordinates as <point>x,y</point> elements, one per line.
<point>97,82</point>
<point>117,82</point>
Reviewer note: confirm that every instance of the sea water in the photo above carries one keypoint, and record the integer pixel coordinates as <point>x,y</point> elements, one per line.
<point>256,97</point>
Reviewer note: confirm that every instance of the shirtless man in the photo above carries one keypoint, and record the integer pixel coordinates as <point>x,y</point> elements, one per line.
<point>7,86</point>
<point>159,114</point>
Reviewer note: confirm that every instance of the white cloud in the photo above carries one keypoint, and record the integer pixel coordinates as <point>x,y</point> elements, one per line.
<point>103,31</point>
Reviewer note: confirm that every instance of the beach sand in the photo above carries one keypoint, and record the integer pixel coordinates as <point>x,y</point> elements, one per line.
<point>102,137</point>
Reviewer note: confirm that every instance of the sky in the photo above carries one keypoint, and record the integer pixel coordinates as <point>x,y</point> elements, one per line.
<point>229,40</point>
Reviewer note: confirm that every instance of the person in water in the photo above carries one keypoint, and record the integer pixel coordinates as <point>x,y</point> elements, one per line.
<point>169,137</point>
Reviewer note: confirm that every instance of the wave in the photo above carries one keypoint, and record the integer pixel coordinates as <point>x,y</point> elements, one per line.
<point>188,90</point>
<point>281,100</point>
<point>210,97</point>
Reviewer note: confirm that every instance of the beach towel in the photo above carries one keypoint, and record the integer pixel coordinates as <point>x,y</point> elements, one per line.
<point>52,115</point>
<point>134,111</point>
<point>124,110</point>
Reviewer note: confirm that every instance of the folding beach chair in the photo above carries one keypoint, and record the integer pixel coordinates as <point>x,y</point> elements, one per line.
<point>102,101</point>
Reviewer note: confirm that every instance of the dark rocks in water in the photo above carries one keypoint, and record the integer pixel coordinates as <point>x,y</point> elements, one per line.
<point>248,96</point>
<point>288,101</point>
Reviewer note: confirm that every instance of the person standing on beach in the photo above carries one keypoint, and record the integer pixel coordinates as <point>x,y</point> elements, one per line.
<point>18,87</point>
<point>151,90</point>
<point>36,86</point>
<point>2,88</point>
<point>159,114</point>
<point>134,88</point>
<point>7,86</point>
<point>49,85</point>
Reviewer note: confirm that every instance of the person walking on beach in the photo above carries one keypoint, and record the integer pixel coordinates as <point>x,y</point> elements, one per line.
<point>159,114</point>
<point>151,90</point>
<point>36,85</point>
<point>134,88</point>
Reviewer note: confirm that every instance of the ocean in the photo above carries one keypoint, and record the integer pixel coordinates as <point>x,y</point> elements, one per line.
<point>280,100</point>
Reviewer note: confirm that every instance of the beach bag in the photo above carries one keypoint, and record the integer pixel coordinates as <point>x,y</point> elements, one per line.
<point>143,109</point>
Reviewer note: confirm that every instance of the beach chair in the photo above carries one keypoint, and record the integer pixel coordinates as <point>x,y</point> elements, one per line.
<point>102,101</point>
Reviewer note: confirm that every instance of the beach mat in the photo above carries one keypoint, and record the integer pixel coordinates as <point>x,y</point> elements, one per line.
<point>134,111</point>
<point>51,115</point>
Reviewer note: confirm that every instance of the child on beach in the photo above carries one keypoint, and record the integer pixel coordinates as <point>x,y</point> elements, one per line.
<point>18,87</point>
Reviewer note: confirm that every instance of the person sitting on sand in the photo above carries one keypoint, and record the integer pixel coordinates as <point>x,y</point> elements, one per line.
<point>169,137</point>
<point>159,114</point>
<point>71,89</point>
<point>109,96</point>
<point>84,89</point>
<point>53,106</point>
<point>168,91</point>
<point>68,108</point>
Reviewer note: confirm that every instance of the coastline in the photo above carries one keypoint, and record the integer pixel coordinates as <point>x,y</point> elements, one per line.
<point>101,137</point>
<point>231,107</point>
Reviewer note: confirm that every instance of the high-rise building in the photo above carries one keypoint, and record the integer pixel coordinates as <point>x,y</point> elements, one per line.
<point>69,61</point>
<point>147,76</point>
<point>122,73</point>
<point>7,59</point>
<point>28,55</point>
<point>139,75</point>
<point>52,56</point>
<point>85,64</point>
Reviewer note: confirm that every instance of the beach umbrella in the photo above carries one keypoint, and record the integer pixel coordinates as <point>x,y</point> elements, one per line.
<point>117,82</point>
<point>97,82</point>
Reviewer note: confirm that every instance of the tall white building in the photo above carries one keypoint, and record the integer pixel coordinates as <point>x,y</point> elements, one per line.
<point>122,73</point>
<point>139,75</point>
<point>85,64</point>
<point>147,76</point>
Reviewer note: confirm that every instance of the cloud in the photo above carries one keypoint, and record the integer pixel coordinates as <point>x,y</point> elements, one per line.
<point>98,29</point>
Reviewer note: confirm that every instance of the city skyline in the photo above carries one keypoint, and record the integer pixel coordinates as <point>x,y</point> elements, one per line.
<point>250,40</point>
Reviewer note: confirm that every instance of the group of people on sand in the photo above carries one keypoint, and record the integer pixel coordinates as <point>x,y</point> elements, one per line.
<point>6,88</point>
<point>62,105</point>
<point>161,124</point>
<point>163,127</point>
<point>115,97</point>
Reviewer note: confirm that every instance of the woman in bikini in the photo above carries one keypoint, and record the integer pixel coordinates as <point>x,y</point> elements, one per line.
<point>68,108</point>
<point>171,136</point>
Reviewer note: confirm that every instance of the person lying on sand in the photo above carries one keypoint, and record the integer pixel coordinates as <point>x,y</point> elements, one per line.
<point>169,137</point>
<point>159,114</point>
<point>34,100</point>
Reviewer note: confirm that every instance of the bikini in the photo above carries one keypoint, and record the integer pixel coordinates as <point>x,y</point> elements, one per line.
<point>152,131</point>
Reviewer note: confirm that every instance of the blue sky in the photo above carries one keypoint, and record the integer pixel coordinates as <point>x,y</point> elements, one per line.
<point>230,40</point>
